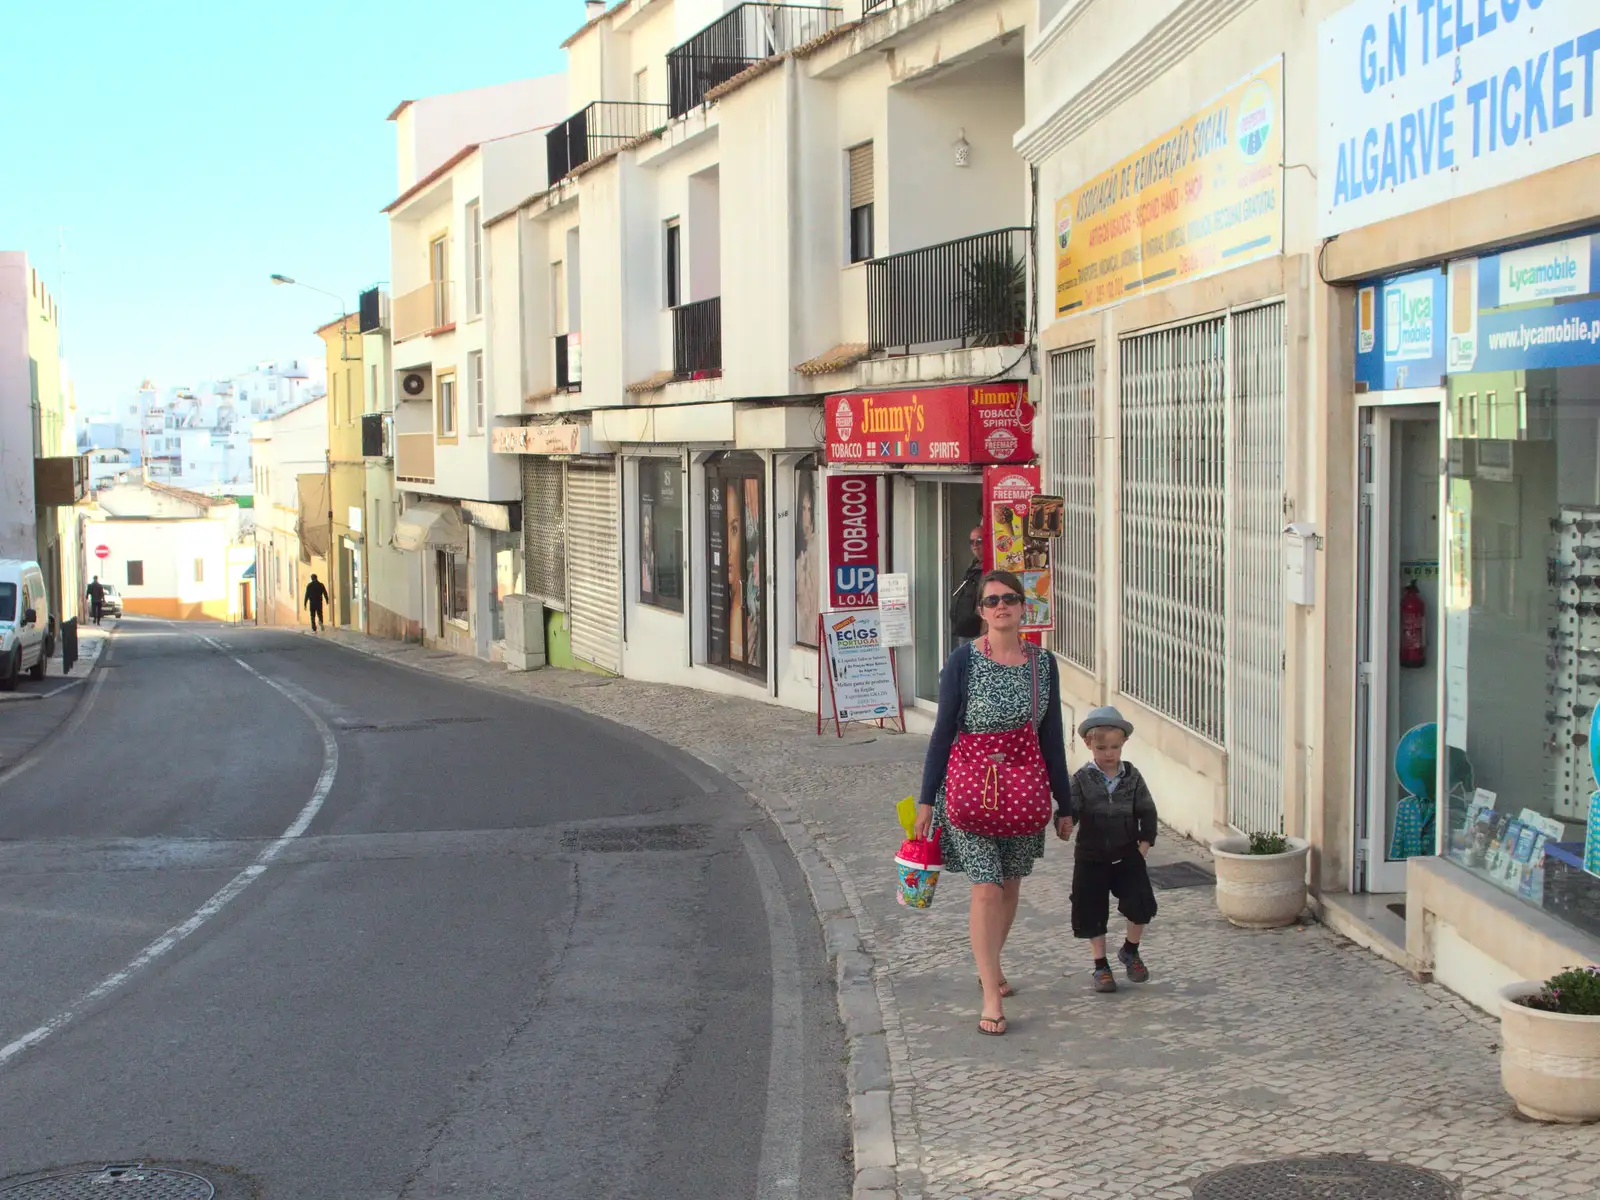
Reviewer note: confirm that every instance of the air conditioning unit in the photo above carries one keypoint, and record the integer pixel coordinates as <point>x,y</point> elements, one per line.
<point>415,383</point>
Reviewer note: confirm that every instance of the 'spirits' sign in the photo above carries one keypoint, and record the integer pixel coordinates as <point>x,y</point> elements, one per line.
<point>978,423</point>
<point>1423,100</point>
<point>853,541</point>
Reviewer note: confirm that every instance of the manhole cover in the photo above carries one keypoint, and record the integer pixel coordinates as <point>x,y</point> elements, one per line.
<point>1336,1178</point>
<point>634,840</point>
<point>123,1181</point>
<point>1180,875</point>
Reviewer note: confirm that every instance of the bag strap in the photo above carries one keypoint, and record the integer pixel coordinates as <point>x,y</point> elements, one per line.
<point>1033,685</point>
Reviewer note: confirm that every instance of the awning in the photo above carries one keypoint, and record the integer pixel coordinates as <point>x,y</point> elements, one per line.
<point>428,523</point>
<point>249,572</point>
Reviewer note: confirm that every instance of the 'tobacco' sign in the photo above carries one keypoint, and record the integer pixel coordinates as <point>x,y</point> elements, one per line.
<point>853,541</point>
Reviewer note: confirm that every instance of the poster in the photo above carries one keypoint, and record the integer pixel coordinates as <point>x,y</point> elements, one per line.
<point>1007,492</point>
<point>894,609</point>
<point>807,557</point>
<point>1205,196</point>
<point>852,541</point>
<point>716,573</point>
<point>860,671</point>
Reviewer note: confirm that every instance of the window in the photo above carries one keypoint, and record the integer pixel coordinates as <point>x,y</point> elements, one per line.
<point>641,86</point>
<point>337,420</point>
<point>558,297</point>
<point>445,387</point>
<point>475,389</point>
<point>808,554</point>
<point>8,602</point>
<point>861,197</point>
<point>439,277</point>
<point>474,259</point>
<point>372,390</point>
<point>135,573</point>
<point>199,570</point>
<point>453,584</point>
<point>736,564</point>
<point>661,533</point>
<point>674,265</point>
<point>1070,474</point>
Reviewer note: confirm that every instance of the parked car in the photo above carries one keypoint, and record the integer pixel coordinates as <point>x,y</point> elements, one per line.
<point>26,633</point>
<point>112,604</point>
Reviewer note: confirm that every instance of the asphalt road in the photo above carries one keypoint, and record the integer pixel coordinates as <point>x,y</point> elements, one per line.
<point>335,929</point>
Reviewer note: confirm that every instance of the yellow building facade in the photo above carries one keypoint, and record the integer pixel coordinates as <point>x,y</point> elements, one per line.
<point>347,582</point>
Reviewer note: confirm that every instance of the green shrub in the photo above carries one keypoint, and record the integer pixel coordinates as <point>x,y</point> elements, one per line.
<point>1574,992</point>
<point>1268,843</point>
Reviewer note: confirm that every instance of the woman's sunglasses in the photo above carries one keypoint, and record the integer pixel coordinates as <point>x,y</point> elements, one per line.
<point>1002,598</point>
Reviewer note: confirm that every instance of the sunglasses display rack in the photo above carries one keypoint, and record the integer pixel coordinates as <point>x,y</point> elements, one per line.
<point>1573,658</point>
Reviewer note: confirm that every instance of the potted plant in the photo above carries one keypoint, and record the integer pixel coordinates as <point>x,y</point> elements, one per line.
<point>994,300</point>
<point>1550,1046</point>
<point>1261,879</point>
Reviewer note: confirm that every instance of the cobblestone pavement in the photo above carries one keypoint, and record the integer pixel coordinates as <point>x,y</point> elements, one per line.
<point>1244,1046</point>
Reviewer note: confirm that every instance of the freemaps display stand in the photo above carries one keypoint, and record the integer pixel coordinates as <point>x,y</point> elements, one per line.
<point>863,679</point>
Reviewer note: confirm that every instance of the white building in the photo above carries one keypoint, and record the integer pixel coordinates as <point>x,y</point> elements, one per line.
<point>459,500</point>
<point>172,553</point>
<point>286,449</point>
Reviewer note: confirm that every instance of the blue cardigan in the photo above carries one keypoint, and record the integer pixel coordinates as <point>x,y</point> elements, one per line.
<point>953,710</point>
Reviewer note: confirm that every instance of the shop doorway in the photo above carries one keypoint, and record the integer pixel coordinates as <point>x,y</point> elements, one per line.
<point>1398,675</point>
<point>944,515</point>
<point>736,564</point>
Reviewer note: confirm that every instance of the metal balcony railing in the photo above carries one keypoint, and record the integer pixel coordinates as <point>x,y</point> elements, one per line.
<point>569,362</point>
<point>413,457</point>
<point>969,292</point>
<point>426,309</point>
<point>873,5</point>
<point>374,309</point>
<point>377,435</point>
<point>595,130</point>
<point>697,339</point>
<point>747,33</point>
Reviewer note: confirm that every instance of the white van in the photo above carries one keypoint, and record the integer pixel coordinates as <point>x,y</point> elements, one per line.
<point>25,626</point>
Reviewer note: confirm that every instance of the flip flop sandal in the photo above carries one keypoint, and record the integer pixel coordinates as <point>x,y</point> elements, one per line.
<point>998,1021</point>
<point>1006,990</point>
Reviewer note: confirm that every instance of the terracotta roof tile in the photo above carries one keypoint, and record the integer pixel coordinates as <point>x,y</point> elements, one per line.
<point>840,358</point>
<point>651,383</point>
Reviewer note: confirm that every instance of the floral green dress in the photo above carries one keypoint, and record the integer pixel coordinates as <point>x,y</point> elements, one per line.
<point>997,700</point>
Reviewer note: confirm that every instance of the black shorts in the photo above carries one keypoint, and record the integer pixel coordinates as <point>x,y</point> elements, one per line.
<point>1093,885</point>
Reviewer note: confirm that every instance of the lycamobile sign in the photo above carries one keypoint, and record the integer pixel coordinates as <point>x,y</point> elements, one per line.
<point>1545,272</point>
<point>1421,101</point>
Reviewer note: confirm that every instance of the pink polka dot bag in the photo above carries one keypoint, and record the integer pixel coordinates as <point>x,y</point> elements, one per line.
<point>996,784</point>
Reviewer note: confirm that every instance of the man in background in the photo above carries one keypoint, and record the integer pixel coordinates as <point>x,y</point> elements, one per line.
<point>97,599</point>
<point>965,624</point>
<point>316,597</point>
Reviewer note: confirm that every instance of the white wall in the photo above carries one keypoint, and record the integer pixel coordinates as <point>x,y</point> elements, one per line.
<point>18,534</point>
<point>434,128</point>
<point>168,549</point>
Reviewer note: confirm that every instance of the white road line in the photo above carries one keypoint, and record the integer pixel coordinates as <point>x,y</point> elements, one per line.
<point>175,935</point>
<point>778,1173</point>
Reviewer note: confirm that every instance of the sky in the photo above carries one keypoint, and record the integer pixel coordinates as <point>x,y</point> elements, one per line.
<point>185,151</point>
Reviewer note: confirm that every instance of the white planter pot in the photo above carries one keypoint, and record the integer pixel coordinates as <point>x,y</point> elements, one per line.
<point>1549,1062</point>
<point>1260,891</point>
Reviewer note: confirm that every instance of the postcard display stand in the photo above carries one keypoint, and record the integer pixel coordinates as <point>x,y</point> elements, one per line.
<point>1574,663</point>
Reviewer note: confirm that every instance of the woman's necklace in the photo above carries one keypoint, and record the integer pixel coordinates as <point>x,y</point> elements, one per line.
<point>988,653</point>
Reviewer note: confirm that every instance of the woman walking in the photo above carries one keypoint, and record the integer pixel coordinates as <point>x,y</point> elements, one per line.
<point>994,685</point>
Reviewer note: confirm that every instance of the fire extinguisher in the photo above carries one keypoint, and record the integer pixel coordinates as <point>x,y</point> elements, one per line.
<point>1413,628</point>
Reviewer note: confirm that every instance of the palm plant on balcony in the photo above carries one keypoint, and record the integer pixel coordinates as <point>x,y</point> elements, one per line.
<point>994,299</point>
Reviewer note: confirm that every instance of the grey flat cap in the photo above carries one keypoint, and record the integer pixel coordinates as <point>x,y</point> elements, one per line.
<point>1105,718</point>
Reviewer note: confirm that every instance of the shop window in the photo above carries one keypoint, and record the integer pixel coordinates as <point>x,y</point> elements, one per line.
<point>1070,474</point>
<point>810,554</point>
<point>453,594</point>
<point>661,533</point>
<point>736,564</point>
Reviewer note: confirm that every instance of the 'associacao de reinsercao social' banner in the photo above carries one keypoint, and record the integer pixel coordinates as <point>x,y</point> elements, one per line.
<point>1420,101</point>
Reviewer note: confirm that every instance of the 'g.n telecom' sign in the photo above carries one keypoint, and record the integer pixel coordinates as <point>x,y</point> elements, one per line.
<point>1421,101</point>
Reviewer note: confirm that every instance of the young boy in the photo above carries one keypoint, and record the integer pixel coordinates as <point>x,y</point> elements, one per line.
<point>1116,826</point>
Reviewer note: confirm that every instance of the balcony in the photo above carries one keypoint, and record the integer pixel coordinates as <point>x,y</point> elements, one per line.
<point>746,34</point>
<point>697,339</point>
<point>969,292</point>
<point>424,310</point>
<point>569,362</point>
<point>374,310</point>
<point>413,457</point>
<point>871,6</point>
<point>596,130</point>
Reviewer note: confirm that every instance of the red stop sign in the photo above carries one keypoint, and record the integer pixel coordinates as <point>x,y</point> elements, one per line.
<point>102,552</point>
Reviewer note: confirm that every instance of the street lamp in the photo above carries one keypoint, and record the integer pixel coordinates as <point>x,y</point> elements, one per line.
<point>344,310</point>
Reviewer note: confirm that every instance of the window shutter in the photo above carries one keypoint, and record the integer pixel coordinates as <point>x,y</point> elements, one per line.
<point>861,175</point>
